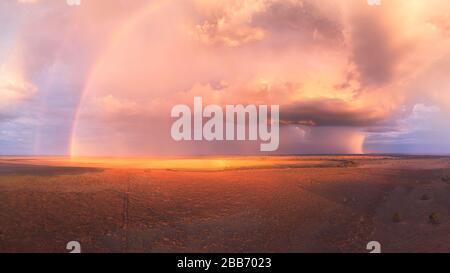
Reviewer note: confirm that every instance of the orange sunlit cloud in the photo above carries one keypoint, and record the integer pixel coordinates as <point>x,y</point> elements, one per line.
<point>347,76</point>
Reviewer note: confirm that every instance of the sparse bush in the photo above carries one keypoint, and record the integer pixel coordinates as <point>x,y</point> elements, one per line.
<point>349,163</point>
<point>425,197</point>
<point>397,218</point>
<point>446,178</point>
<point>434,218</point>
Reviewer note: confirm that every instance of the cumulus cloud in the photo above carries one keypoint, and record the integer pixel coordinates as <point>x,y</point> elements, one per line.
<point>235,23</point>
<point>14,88</point>
<point>335,67</point>
<point>372,52</point>
<point>303,22</point>
<point>339,69</point>
<point>48,48</point>
<point>329,112</point>
<point>227,22</point>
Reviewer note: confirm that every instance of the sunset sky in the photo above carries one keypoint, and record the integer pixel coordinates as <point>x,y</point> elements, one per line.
<point>101,78</point>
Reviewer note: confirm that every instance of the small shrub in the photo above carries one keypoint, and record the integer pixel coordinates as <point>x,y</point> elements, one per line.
<point>349,163</point>
<point>425,197</point>
<point>434,218</point>
<point>446,178</point>
<point>397,218</point>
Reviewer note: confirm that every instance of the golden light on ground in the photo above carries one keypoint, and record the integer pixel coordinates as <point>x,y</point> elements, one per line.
<point>212,163</point>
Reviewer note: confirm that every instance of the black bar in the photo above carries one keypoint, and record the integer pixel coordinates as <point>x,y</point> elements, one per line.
<point>170,262</point>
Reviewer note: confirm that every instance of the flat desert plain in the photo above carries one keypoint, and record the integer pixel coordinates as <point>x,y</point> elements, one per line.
<point>225,204</point>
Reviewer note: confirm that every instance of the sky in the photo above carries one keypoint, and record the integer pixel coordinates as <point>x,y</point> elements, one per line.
<point>101,78</point>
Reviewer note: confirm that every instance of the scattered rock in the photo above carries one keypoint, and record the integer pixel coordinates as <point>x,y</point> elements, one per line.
<point>397,218</point>
<point>434,218</point>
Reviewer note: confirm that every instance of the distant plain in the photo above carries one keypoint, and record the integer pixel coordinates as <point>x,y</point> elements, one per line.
<point>225,204</point>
